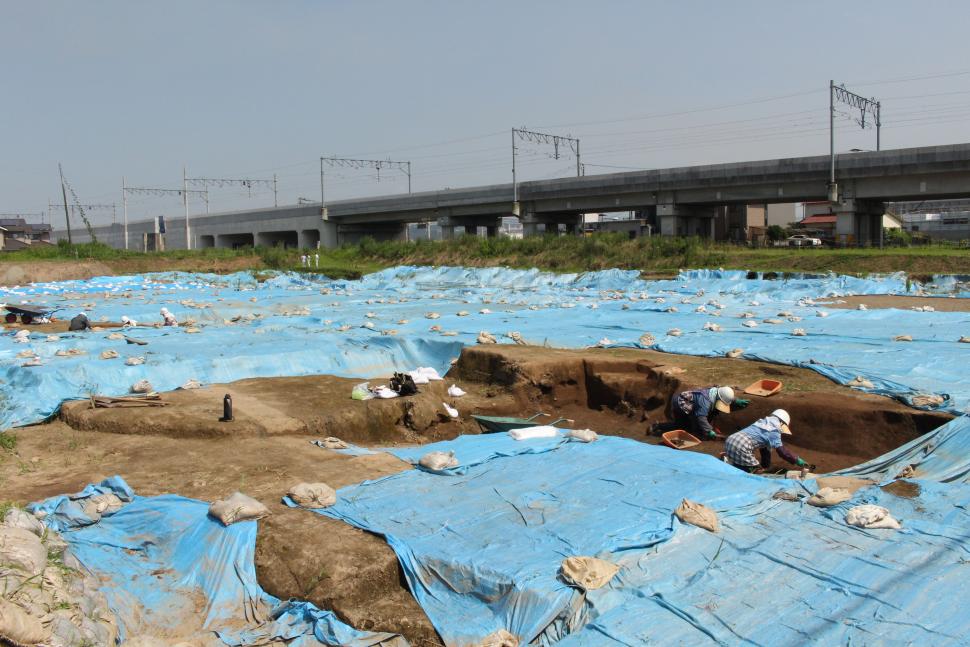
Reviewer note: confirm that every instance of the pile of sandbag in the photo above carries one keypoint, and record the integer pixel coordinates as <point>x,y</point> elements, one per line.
<point>46,597</point>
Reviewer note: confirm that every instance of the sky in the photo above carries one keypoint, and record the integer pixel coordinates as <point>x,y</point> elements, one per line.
<point>247,89</point>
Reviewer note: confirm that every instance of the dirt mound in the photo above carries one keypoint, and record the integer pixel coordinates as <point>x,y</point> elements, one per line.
<point>318,405</point>
<point>881,301</point>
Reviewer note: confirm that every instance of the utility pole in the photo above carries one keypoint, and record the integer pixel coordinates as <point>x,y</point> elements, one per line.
<point>838,93</point>
<point>323,197</point>
<point>67,216</point>
<point>124,208</point>
<point>185,207</point>
<point>276,202</point>
<point>515,184</point>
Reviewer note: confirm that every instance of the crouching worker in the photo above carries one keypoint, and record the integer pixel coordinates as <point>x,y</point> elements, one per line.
<point>168,319</point>
<point>695,410</point>
<point>763,436</point>
<point>79,323</point>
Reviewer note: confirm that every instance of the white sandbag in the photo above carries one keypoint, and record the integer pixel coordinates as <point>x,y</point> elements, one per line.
<point>438,461</point>
<point>22,549</point>
<point>134,361</point>
<point>450,410</point>
<point>313,495</point>
<point>646,339</point>
<point>141,386</point>
<point>19,628</point>
<point>331,442</point>
<point>675,332</point>
<point>829,496</point>
<point>385,393</point>
<point>927,400</point>
<point>903,338</point>
<point>516,337</point>
<point>455,392</point>
<point>871,517</point>
<point>17,518</point>
<point>697,514</point>
<point>861,382</point>
<point>528,433</point>
<point>109,354</point>
<point>588,573</point>
<point>798,332</point>
<point>734,353</point>
<point>485,337</point>
<point>237,507</point>
<point>192,383</point>
<point>582,435</point>
<point>428,373</point>
<point>101,505</point>
<point>500,638</point>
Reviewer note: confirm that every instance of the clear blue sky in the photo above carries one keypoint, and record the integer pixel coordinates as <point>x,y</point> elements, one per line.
<point>247,88</point>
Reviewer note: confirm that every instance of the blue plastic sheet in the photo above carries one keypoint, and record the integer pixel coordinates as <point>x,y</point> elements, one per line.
<point>166,565</point>
<point>481,548</point>
<point>309,326</point>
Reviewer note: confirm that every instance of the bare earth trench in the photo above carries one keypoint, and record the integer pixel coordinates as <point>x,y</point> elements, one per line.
<point>183,449</point>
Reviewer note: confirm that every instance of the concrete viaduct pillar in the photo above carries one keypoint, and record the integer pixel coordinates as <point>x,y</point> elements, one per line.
<point>469,225</point>
<point>686,220</point>
<point>858,222</point>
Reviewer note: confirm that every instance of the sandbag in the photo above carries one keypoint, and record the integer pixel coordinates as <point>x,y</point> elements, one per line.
<point>141,386</point>
<point>588,573</point>
<point>331,443</point>
<point>871,517</point>
<point>829,496</point>
<point>528,433</point>
<point>101,505</point>
<point>438,461</point>
<point>109,354</point>
<point>237,507</point>
<point>582,435</point>
<point>500,638</point>
<point>22,549</point>
<point>192,383</point>
<point>17,518</point>
<point>312,495</point>
<point>697,514</point>
<point>19,628</point>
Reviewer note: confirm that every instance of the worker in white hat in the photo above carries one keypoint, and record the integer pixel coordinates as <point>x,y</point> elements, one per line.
<point>762,435</point>
<point>694,411</point>
<point>168,317</point>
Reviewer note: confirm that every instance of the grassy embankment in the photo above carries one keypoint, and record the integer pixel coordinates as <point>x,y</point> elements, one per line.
<point>562,254</point>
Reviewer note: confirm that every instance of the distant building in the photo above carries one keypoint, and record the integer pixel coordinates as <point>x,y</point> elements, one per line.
<point>939,219</point>
<point>19,234</point>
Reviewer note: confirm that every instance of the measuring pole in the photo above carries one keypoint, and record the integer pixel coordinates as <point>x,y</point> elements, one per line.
<point>67,216</point>
<point>124,208</point>
<point>185,207</point>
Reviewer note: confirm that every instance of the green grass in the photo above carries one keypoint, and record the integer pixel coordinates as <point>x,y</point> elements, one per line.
<point>8,440</point>
<point>655,255</point>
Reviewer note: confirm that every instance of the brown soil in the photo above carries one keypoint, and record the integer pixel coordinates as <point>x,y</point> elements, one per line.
<point>21,273</point>
<point>904,489</point>
<point>882,301</point>
<point>182,448</point>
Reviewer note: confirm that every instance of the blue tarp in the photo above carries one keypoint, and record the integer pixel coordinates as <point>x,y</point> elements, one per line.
<point>614,307</point>
<point>165,565</point>
<point>481,548</point>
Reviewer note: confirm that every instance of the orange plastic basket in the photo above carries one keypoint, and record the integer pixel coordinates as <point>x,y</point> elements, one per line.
<point>679,439</point>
